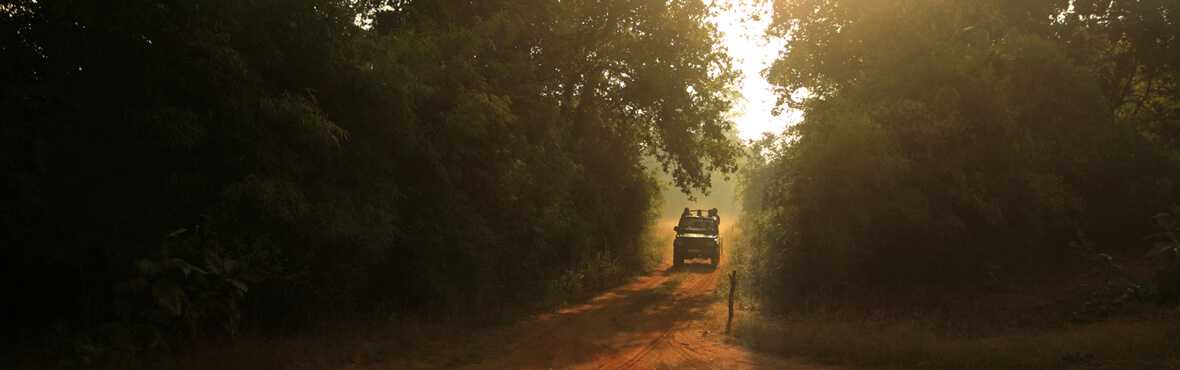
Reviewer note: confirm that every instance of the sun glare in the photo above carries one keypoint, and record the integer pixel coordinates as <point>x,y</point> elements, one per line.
<point>743,24</point>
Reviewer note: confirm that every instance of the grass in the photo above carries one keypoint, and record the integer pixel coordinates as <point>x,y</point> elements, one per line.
<point>1147,343</point>
<point>1031,325</point>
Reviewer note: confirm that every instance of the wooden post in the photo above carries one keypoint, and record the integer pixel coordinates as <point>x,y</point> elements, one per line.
<point>732,293</point>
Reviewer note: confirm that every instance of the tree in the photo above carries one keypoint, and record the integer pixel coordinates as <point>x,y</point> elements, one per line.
<point>943,139</point>
<point>418,157</point>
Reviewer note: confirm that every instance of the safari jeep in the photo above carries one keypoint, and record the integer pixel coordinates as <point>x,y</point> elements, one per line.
<point>697,236</point>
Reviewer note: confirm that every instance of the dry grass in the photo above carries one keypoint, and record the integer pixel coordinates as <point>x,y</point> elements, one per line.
<point>657,246</point>
<point>1143,343</point>
<point>1029,325</point>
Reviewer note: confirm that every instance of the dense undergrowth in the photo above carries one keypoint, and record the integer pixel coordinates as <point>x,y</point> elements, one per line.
<point>912,344</point>
<point>991,152</point>
<point>962,145</point>
<point>1101,313</point>
<point>178,171</point>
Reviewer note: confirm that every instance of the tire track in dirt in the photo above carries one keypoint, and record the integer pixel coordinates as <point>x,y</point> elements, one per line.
<point>544,326</point>
<point>668,319</point>
<point>639,354</point>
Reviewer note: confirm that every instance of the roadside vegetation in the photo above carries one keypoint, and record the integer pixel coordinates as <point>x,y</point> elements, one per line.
<point>912,344</point>
<point>177,172</point>
<point>986,184</point>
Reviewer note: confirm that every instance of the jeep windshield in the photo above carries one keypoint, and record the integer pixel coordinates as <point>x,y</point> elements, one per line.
<point>697,225</point>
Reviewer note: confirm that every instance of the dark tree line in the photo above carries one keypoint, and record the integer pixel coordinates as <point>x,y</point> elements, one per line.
<point>947,142</point>
<point>198,167</point>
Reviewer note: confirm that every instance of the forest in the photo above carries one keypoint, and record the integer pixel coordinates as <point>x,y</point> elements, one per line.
<point>177,172</point>
<point>948,141</point>
<point>180,169</point>
<point>1005,170</point>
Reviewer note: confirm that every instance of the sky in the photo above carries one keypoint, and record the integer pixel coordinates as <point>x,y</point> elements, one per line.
<point>742,24</point>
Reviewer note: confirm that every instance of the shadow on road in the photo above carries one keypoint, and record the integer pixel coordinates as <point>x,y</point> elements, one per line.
<point>694,268</point>
<point>660,320</point>
<point>608,328</point>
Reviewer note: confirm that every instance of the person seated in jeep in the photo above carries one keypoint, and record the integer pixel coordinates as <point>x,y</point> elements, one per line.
<point>697,236</point>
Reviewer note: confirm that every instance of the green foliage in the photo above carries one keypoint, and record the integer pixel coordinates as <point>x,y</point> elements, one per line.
<point>336,157</point>
<point>1167,253</point>
<point>1108,286</point>
<point>167,291</point>
<point>1168,248</point>
<point>944,141</point>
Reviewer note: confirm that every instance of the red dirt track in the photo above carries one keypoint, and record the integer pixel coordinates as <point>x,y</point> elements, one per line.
<point>670,319</point>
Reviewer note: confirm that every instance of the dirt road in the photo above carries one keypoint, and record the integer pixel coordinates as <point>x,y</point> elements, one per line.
<point>670,319</point>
